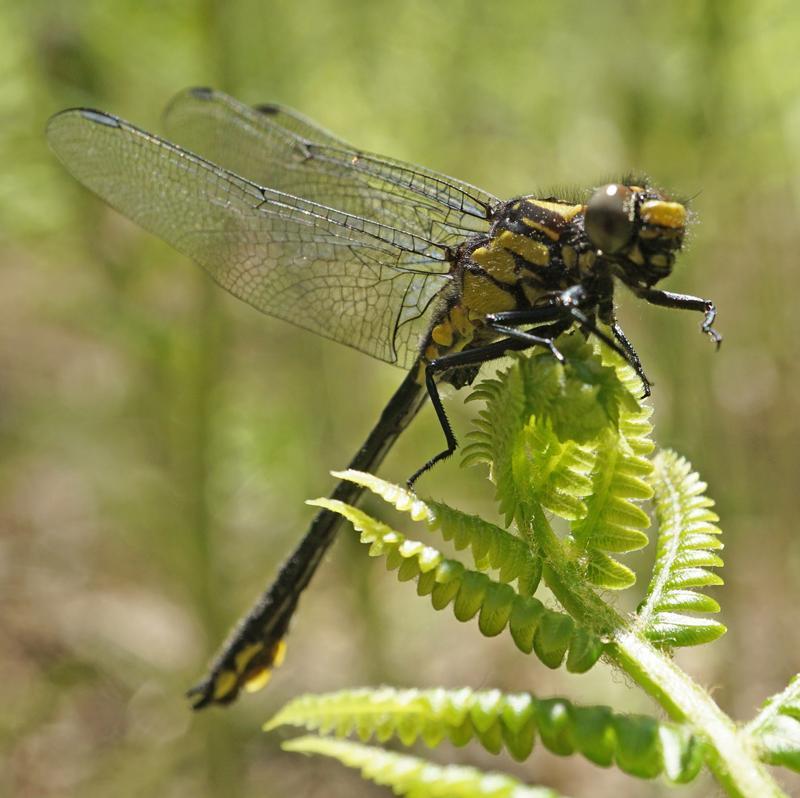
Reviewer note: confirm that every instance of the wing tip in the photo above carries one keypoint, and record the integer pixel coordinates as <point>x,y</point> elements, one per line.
<point>270,109</point>
<point>100,117</point>
<point>89,114</point>
<point>201,92</point>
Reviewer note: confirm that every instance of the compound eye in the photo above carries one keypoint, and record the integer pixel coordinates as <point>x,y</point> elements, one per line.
<point>609,218</point>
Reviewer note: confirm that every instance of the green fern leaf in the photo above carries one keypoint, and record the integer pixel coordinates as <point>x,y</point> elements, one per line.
<point>414,777</point>
<point>493,549</point>
<point>551,635</point>
<point>687,540</point>
<point>569,441</point>
<point>776,729</point>
<point>537,427</point>
<point>637,744</point>
<point>614,522</point>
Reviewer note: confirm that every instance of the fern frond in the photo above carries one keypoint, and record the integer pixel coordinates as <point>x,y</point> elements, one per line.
<point>776,729</point>
<point>550,635</point>
<point>535,432</point>
<point>571,442</point>
<point>614,521</point>
<point>492,548</point>
<point>687,540</point>
<point>638,745</point>
<point>415,777</point>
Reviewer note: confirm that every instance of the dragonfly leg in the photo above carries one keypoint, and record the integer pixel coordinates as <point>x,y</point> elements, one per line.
<point>471,357</point>
<point>668,299</point>
<point>529,339</point>
<point>567,305</point>
<point>631,356</point>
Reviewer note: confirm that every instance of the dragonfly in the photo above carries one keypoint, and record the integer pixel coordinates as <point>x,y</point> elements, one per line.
<point>410,266</point>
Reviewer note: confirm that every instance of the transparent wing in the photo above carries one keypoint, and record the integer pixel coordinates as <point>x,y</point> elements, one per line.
<point>351,279</point>
<point>277,147</point>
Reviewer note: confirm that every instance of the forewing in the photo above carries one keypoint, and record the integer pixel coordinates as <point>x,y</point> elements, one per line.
<point>350,279</point>
<point>279,148</point>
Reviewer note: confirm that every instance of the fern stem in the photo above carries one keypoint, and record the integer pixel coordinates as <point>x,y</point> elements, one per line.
<point>567,583</point>
<point>731,759</point>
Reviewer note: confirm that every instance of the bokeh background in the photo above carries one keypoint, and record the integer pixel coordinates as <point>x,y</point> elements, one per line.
<point>158,439</point>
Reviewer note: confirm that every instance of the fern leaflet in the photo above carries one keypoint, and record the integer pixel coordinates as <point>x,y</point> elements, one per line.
<point>571,443</point>
<point>415,777</point>
<point>550,635</point>
<point>638,745</point>
<point>687,540</point>
<point>776,729</point>
<point>492,548</point>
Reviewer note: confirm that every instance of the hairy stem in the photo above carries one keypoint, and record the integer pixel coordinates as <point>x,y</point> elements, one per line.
<point>731,759</point>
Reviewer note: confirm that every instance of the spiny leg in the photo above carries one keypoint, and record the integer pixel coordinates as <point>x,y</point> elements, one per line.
<point>589,324</point>
<point>528,339</point>
<point>632,357</point>
<point>508,322</point>
<point>569,304</point>
<point>471,357</point>
<point>668,299</point>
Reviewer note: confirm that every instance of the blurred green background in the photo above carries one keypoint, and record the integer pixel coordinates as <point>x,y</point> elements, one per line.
<point>158,438</point>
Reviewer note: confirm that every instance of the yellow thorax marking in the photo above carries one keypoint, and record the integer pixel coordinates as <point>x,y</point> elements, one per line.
<point>569,212</point>
<point>481,296</point>
<point>496,261</point>
<point>532,251</point>
<point>566,212</point>
<point>586,260</point>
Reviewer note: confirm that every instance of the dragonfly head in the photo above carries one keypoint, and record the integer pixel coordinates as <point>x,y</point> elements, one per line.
<point>635,229</point>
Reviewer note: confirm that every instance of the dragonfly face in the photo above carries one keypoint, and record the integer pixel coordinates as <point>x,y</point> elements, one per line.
<point>637,230</point>
<point>408,265</point>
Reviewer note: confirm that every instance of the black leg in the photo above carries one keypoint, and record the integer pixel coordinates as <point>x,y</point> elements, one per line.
<point>527,338</point>
<point>668,299</point>
<point>566,304</point>
<point>632,357</point>
<point>470,357</point>
<point>589,324</point>
<point>528,316</point>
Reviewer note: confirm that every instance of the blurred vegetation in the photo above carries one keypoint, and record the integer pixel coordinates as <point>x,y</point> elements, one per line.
<point>157,438</point>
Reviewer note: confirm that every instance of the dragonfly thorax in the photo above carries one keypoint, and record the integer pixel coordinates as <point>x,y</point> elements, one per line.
<point>541,252</point>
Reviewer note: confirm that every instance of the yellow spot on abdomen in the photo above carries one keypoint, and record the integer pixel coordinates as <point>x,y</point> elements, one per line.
<point>442,333</point>
<point>224,683</point>
<point>245,656</point>
<point>280,654</point>
<point>258,681</point>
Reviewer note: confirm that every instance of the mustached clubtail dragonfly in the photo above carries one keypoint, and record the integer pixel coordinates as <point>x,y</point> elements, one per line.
<point>401,262</point>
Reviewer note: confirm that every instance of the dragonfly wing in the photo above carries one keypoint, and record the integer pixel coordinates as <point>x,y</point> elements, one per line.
<point>277,147</point>
<point>344,277</point>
